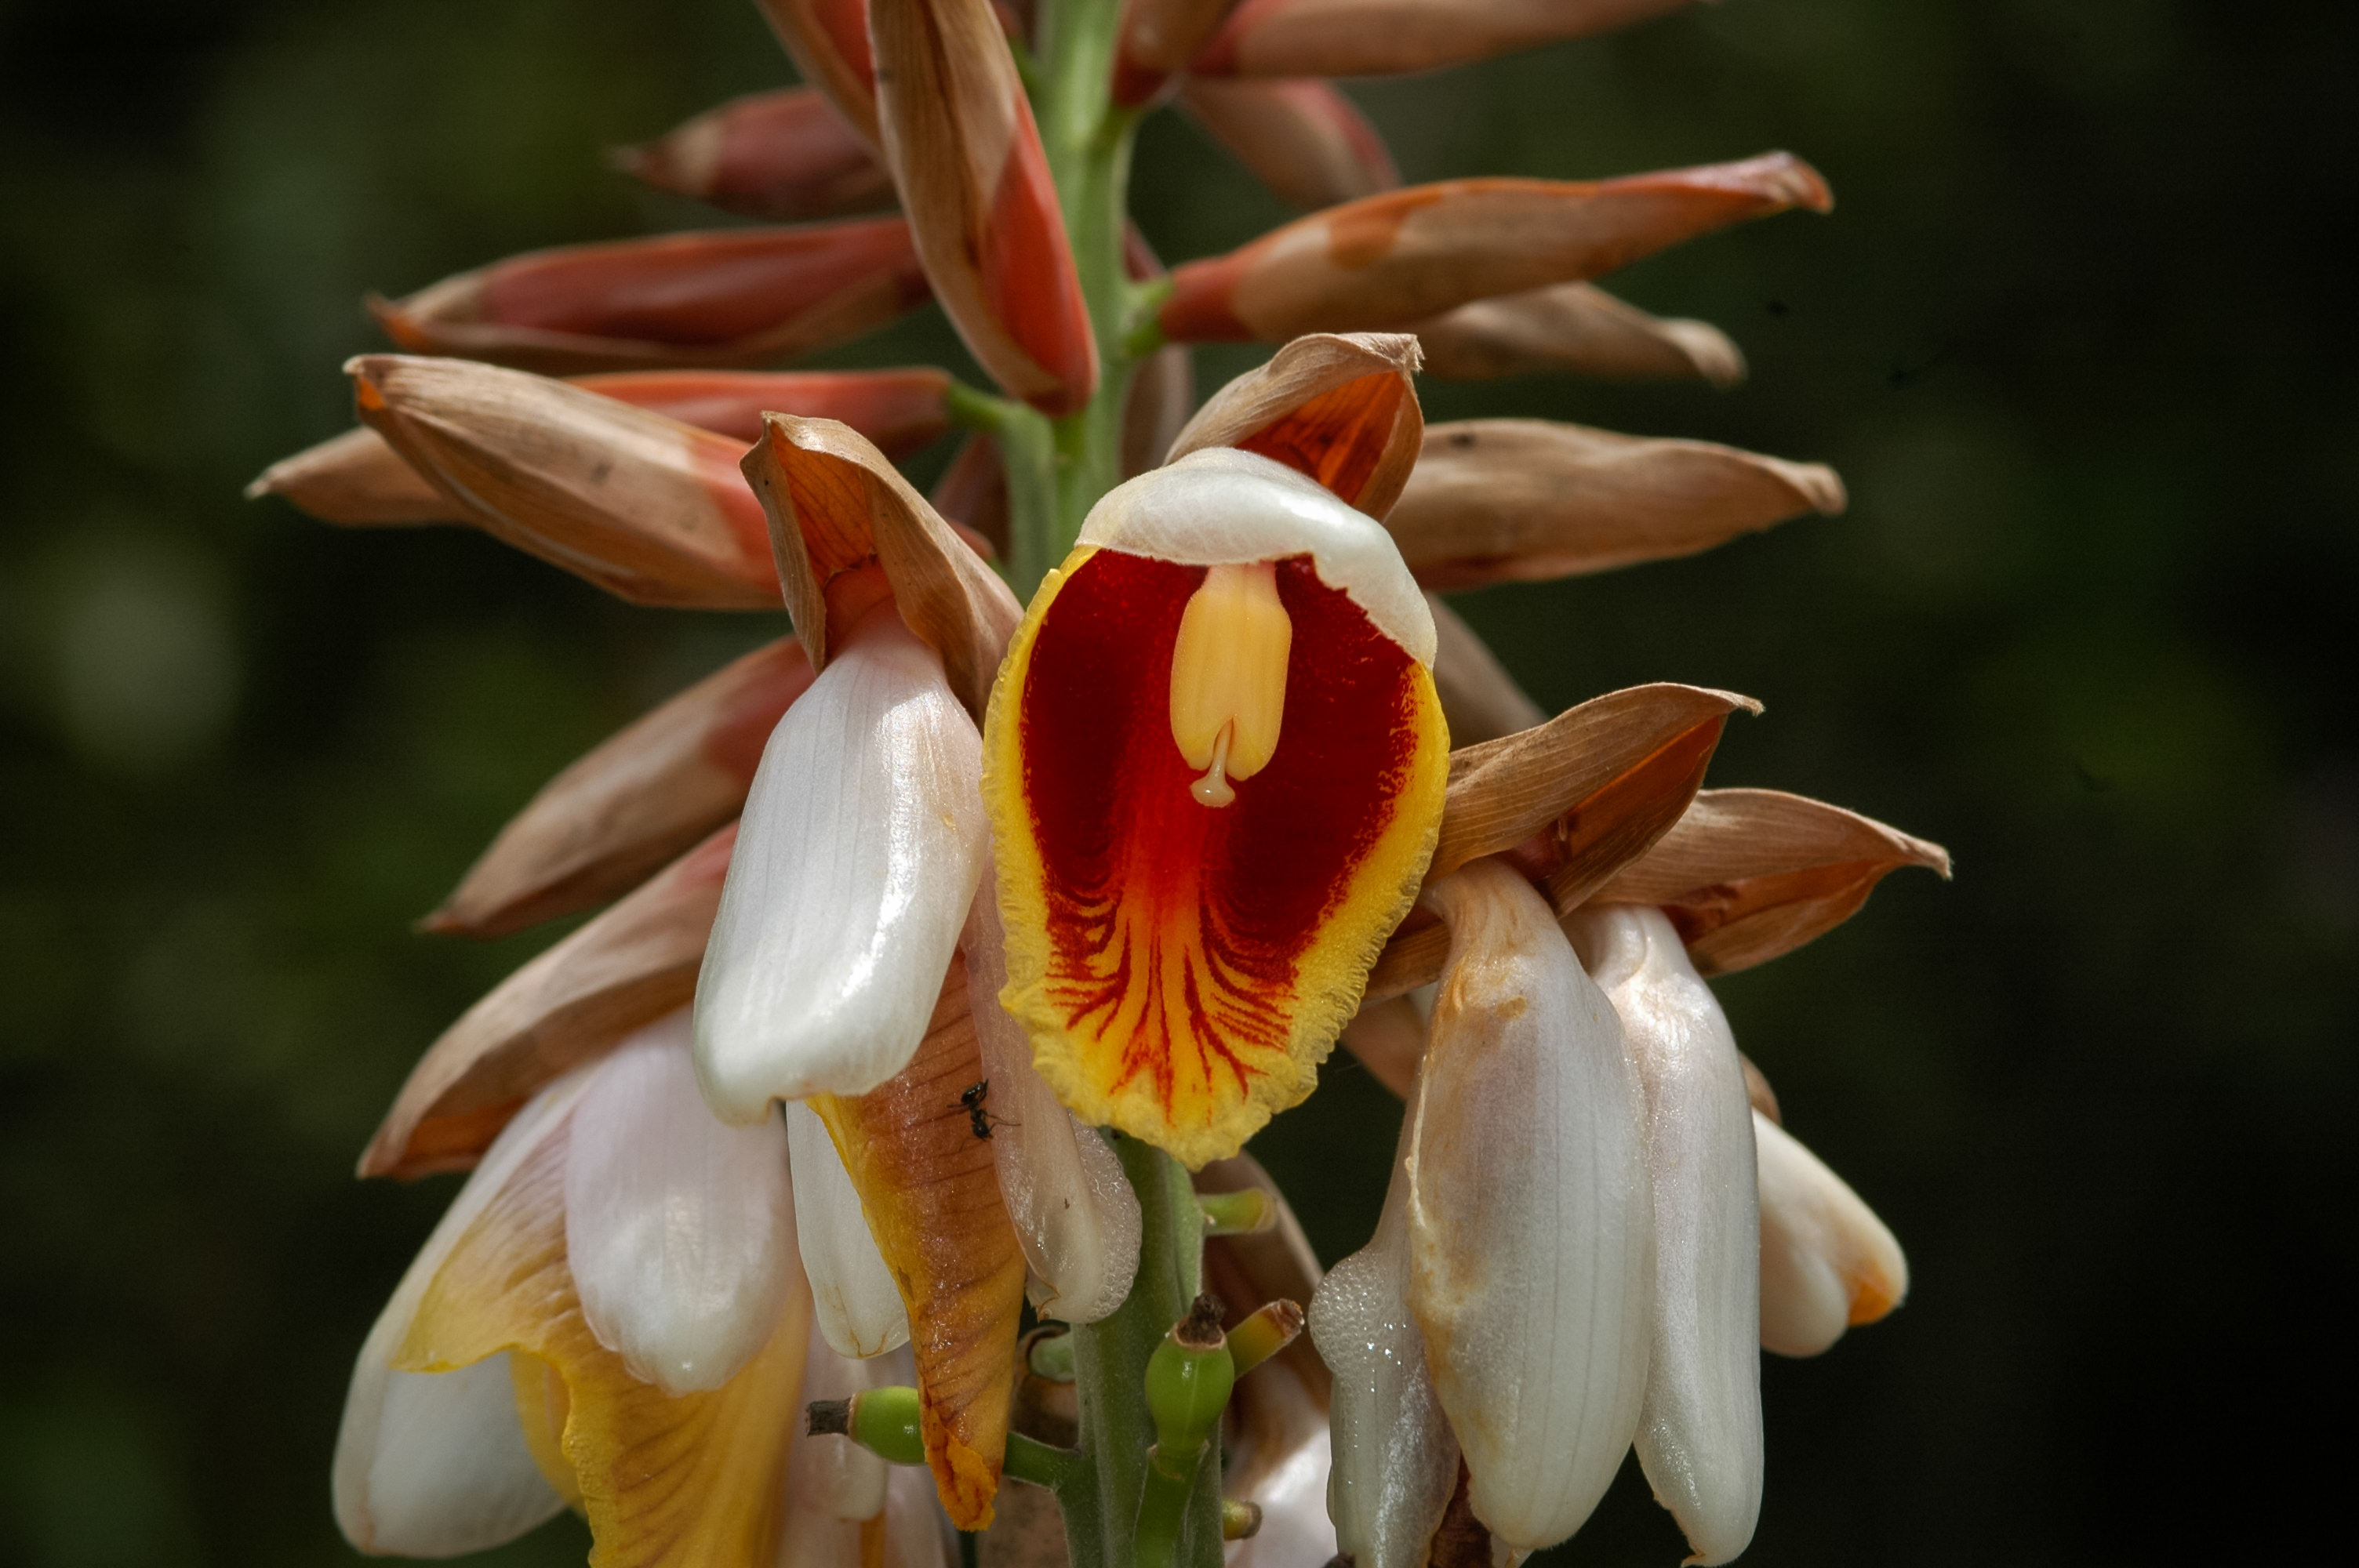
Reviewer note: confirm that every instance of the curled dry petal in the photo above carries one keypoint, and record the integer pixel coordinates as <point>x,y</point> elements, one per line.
<point>1393,260</point>
<point>1527,500</point>
<point>679,1232</point>
<point>1183,951</point>
<point>1395,1457</point>
<point>1827,1262</point>
<point>645,795</point>
<point>859,1307</point>
<point>1700,1429</point>
<point>623,971</point>
<point>436,1464</point>
<point>663,1480</point>
<point>1302,139</point>
<point>1481,698</point>
<point>355,479</point>
<point>863,840</point>
<point>1074,1211</point>
<point>1750,873</point>
<point>932,1194</point>
<point>783,155</point>
<point>1575,329</point>
<point>1530,1221</point>
<point>1385,38</point>
<point>975,180</point>
<point>828,41</point>
<point>1576,799</point>
<point>646,507</point>
<point>726,297</point>
<point>835,503</point>
<point>1341,408</point>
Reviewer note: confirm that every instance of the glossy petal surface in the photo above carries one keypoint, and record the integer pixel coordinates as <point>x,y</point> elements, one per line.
<point>1827,1261</point>
<point>858,1306</point>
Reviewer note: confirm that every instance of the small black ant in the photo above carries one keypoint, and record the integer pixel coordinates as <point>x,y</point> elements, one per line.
<point>971,1097</point>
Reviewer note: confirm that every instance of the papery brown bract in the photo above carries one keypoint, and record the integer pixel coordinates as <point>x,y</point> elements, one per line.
<point>1304,140</point>
<point>1574,328</point>
<point>783,156</point>
<point>1342,408</point>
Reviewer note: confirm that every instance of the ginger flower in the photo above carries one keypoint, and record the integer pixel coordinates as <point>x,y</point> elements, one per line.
<point>948,951</point>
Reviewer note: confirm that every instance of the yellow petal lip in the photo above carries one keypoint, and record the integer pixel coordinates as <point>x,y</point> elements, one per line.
<point>1220,506</point>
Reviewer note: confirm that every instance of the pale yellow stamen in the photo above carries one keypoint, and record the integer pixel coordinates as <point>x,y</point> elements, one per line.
<point>1228,677</point>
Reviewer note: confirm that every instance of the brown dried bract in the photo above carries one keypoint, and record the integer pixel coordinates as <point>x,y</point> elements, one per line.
<point>645,795</point>
<point>1751,873</point>
<point>646,507</point>
<point>1340,407</point>
<point>1575,329</point>
<point>356,480</point>
<point>1527,500</point>
<point>783,155</point>
<point>624,969</point>
<point>836,503</point>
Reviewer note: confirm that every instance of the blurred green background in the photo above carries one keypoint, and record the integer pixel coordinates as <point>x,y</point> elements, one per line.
<point>2077,335</point>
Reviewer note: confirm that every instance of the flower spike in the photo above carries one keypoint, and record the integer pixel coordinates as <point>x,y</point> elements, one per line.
<point>623,971</point>
<point>960,138</point>
<point>728,296</point>
<point>1528,500</point>
<point>649,509</point>
<point>1343,409</point>
<point>782,155</point>
<point>1575,329</point>
<point>1216,764</point>
<point>645,795</point>
<point>1393,260</point>
<point>1304,140</point>
<point>1386,37</point>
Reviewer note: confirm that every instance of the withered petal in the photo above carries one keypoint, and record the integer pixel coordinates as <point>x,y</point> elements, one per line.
<point>1340,407</point>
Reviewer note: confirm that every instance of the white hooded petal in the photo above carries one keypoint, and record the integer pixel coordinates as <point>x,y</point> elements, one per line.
<point>838,1478</point>
<point>1826,1261</point>
<point>1395,1457</point>
<point>1076,1216</point>
<point>1699,1429</point>
<point>433,1465</point>
<point>1530,1224</point>
<point>858,1307</point>
<point>862,844</point>
<point>680,1231</point>
<point>918,1533</point>
<point>1289,1479</point>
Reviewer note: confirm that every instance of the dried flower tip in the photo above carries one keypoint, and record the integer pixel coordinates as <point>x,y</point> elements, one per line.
<point>1574,328</point>
<point>356,480</point>
<point>783,156</point>
<point>1269,1329</point>
<point>1239,1521</point>
<point>827,1417</point>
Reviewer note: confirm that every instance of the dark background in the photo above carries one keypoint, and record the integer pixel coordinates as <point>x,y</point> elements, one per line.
<point>2077,336</point>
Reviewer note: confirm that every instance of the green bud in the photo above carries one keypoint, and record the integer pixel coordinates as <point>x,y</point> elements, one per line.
<point>883,1421</point>
<point>1187,1382</point>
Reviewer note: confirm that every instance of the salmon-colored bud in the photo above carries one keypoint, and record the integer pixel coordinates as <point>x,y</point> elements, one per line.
<point>1385,38</point>
<point>1574,328</point>
<point>600,827</point>
<point>1158,37</point>
<point>835,505</point>
<point>1341,410</point>
<point>930,1190</point>
<point>960,137</point>
<point>1393,260</point>
<point>1526,499</point>
<point>828,41</point>
<point>728,296</point>
<point>356,480</point>
<point>783,156</point>
<point>646,507</point>
<point>1750,873</point>
<point>1571,803</point>
<point>1303,139</point>
<point>626,969</point>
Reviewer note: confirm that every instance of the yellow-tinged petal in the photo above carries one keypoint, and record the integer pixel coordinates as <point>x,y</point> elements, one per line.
<point>1182,955</point>
<point>930,1190</point>
<point>695,1480</point>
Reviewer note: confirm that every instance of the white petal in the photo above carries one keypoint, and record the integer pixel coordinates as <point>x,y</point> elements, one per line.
<point>1826,1261</point>
<point>435,1465</point>
<point>1699,1429</point>
<point>1076,1216</point>
<point>680,1231</point>
<point>858,1307</point>
<point>1290,1481</point>
<point>836,1477</point>
<point>1221,506</point>
<point>917,1534</point>
<point>1395,1456</point>
<point>1530,1225</point>
<point>863,842</point>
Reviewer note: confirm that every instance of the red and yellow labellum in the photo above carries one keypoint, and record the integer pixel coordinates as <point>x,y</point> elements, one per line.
<point>1213,791</point>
